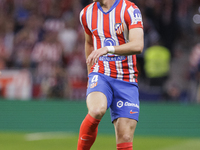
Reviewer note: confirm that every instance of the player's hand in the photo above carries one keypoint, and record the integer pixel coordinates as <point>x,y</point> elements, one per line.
<point>94,56</point>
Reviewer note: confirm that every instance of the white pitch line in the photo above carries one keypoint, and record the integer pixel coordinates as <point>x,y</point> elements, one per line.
<point>47,135</point>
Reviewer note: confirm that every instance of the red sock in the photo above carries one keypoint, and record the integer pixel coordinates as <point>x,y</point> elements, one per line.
<point>88,132</point>
<point>125,146</point>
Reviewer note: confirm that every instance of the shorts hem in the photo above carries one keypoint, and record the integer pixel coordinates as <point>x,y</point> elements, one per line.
<point>124,117</point>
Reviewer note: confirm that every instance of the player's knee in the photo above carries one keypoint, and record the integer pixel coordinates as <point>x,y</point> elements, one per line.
<point>125,138</point>
<point>97,112</point>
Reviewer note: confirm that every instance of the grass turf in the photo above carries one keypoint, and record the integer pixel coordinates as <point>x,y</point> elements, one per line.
<point>68,141</point>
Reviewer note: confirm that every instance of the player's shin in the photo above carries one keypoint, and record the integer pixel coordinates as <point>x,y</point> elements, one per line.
<point>88,132</point>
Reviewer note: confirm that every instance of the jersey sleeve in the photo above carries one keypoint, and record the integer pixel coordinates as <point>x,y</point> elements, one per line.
<point>83,21</point>
<point>133,17</point>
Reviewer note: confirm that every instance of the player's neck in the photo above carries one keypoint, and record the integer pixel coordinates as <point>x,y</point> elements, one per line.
<point>106,4</point>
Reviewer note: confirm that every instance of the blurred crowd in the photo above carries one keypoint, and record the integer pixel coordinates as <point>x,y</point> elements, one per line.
<point>45,37</point>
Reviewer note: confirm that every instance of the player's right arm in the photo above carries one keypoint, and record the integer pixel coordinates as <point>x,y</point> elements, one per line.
<point>88,37</point>
<point>88,49</point>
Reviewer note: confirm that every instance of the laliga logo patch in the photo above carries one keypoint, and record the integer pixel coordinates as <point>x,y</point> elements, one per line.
<point>137,15</point>
<point>119,28</point>
<point>120,104</point>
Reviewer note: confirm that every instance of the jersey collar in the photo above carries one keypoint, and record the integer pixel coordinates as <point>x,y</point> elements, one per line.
<point>113,6</point>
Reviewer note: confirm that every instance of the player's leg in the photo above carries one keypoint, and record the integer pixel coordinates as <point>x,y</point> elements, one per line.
<point>125,113</point>
<point>98,95</point>
<point>97,106</point>
<point>124,130</point>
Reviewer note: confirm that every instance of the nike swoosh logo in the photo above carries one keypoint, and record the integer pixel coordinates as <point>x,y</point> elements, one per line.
<point>131,112</point>
<point>84,139</point>
<point>94,30</point>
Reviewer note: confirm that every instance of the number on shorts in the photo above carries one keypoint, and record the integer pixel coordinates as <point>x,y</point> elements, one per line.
<point>95,78</point>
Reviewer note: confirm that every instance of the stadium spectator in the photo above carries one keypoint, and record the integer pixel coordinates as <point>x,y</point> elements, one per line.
<point>184,15</point>
<point>24,41</point>
<point>4,56</point>
<point>157,64</point>
<point>68,43</point>
<point>47,56</point>
<point>194,61</point>
<point>176,86</point>
<point>77,70</point>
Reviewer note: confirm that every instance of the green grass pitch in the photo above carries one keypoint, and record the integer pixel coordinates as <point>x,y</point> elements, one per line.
<point>68,141</point>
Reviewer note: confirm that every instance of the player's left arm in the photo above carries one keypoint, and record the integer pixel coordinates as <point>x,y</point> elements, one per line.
<point>134,46</point>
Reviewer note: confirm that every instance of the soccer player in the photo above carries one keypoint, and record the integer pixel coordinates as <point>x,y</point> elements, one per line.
<point>113,37</point>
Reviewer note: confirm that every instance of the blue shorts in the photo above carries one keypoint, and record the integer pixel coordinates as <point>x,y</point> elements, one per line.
<point>122,96</point>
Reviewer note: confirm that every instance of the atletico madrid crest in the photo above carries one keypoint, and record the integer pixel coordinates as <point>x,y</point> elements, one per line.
<point>119,28</point>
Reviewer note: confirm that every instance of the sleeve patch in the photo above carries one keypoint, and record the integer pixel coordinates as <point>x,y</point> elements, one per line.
<point>135,15</point>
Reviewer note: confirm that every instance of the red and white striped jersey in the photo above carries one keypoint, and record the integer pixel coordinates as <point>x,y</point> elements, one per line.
<point>111,29</point>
